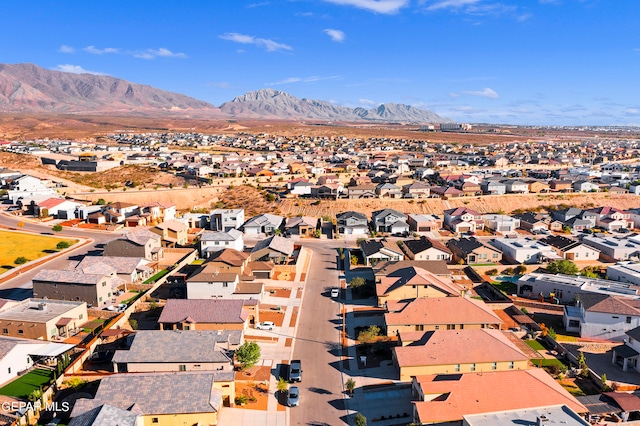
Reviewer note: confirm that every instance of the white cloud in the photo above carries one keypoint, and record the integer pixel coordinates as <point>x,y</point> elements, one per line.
<point>484,93</point>
<point>269,45</point>
<point>451,4</point>
<point>367,102</point>
<point>66,49</point>
<point>311,79</point>
<point>76,69</point>
<point>377,6</point>
<point>336,35</point>
<point>632,111</point>
<point>154,53</point>
<point>252,5</point>
<point>95,51</point>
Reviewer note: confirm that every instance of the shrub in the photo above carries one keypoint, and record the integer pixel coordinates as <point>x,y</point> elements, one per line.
<point>21,260</point>
<point>493,271</point>
<point>56,228</point>
<point>62,245</point>
<point>241,400</point>
<point>361,420</point>
<point>134,324</point>
<point>357,282</point>
<point>248,354</point>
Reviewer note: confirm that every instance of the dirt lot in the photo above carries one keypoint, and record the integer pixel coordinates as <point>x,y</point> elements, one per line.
<point>279,292</point>
<point>276,316</point>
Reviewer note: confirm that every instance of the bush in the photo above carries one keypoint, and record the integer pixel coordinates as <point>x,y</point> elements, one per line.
<point>491,272</point>
<point>21,260</point>
<point>565,267</point>
<point>248,354</point>
<point>56,228</point>
<point>62,245</point>
<point>361,420</point>
<point>134,324</point>
<point>357,282</point>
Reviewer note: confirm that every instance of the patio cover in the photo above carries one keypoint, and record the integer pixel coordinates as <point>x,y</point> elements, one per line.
<point>51,349</point>
<point>627,401</point>
<point>625,351</point>
<point>597,404</point>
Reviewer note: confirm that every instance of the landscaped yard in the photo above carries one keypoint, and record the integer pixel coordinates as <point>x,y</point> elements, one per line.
<point>157,276</point>
<point>17,244</point>
<point>535,345</point>
<point>23,386</point>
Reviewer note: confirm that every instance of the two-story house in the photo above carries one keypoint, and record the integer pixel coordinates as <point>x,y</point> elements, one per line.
<point>462,219</point>
<point>424,222</point>
<point>226,219</point>
<point>173,233</point>
<point>390,221</point>
<point>352,223</point>
<point>264,223</point>
<point>426,249</point>
<point>602,316</point>
<point>212,241</point>
<point>138,243</point>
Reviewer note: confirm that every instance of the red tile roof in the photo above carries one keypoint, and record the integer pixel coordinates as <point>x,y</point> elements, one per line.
<point>443,310</point>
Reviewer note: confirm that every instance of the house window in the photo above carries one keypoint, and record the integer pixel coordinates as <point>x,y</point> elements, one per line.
<point>20,331</point>
<point>186,327</point>
<point>225,285</point>
<point>5,331</point>
<point>473,367</point>
<point>628,320</point>
<point>494,366</point>
<point>512,365</point>
<point>183,367</point>
<point>437,327</point>
<point>154,420</point>
<point>9,370</point>
<point>420,327</point>
<point>100,300</point>
<point>615,317</point>
<point>451,326</point>
<point>457,368</point>
<point>80,316</point>
<point>104,284</point>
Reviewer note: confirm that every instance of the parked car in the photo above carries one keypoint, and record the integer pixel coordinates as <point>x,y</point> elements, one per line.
<point>335,292</point>
<point>293,399</point>
<point>265,325</point>
<point>296,371</point>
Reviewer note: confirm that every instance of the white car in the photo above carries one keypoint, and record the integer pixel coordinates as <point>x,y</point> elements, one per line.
<point>335,292</point>
<point>265,325</point>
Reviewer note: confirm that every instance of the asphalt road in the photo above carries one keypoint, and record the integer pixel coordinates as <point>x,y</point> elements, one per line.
<point>20,287</point>
<point>317,343</point>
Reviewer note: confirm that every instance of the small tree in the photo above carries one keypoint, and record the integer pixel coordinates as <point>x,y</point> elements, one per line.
<point>564,266</point>
<point>283,385</point>
<point>520,269</point>
<point>21,260</point>
<point>62,245</point>
<point>350,385</point>
<point>353,259</point>
<point>248,354</point>
<point>134,324</point>
<point>56,228</point>
<point>101,202</point>
<point>369,335</point>
<point>357,282</point>
<point>360,420</point>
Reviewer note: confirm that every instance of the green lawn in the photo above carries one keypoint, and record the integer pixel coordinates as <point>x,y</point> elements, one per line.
<point>545,362</point>
<point>157,276</point>
<point>30,246</point>
<point>506,287</point>
<point>23,386</point>
<point>535,345</point>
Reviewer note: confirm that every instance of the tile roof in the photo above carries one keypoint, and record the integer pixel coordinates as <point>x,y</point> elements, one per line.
<point>173,346</point>
<point>122,265</point>
<point>301,221</point>
<point>443,310</point>
<point>228,256</point>
<point>141,236</point>
<point>414,275</point>
<point>475,393</point>
<point>158,393</point>
<point>222,311</point>
<point>349,214</point>
<point>50,202</point>
<point>68,277</point>
<point>105,415</point>
<point>610,304</point>
<point>446,347</point>
<point>437,267</point>
<point>468,245</point>
<point>277,243</point>
<point>231,235</point>
<point>371,247</point>
<point>459,211</point>
<point>424,243</point>
<point>264,219</point>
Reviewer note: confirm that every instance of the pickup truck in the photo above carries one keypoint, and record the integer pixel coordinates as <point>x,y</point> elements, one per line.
<point>296,371</point>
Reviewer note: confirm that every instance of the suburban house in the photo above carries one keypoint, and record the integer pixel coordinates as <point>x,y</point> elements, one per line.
<point>352,223</point>
<point>207,314</point>
<point>56,207</point>
<point>451,398</point>
<point>614,248</point>
<point>375,251</point>
<point>29,187</point>
<point>303,226</point>
<point>516,186</point>
<point>137,243</point>
<point>627,355</point>
<point>95,289</point>
<point>462,219</point>
<point>627,272</point>
<point>157,212</point>
<point>471,250</point>
<point>558,185</point>
<point>263,224</point>
<point>212,241</point>
<point>275,249</point>
<point>461,351</point>
<point>415,190</point>
<point>438,313</point>
<point>208,282</point>
<point>388,190</point>
<point>17,356</point>
<point>173,351</point>
<point>571,249</point>
<point>565,288</point>
<point>414,282</point>
<point>362,191</point>
<point>601,316</point>
<point>525,250</point>
<point>426,249</point>
<point>493,187</point>
<point>436,267</point>
<point>390,221</point>
<point>173,233</point>
<point>501,223</point>
<point>41,319</point>
<point>165,398</point>
<point>117,212</point>
<point>229,261</point>
<point>612,219</point>
<point>128,269</point>
<point>226,219</point>
<point>424,222</point>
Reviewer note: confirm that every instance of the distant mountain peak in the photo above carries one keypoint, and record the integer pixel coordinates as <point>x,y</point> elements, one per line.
<point>271,103</point>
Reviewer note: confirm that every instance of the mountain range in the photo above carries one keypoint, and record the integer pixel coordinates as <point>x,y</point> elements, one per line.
<point>28,88</point>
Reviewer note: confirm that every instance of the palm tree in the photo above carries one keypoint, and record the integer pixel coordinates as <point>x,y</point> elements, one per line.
<point>350,385</point>
<point>283,385</point>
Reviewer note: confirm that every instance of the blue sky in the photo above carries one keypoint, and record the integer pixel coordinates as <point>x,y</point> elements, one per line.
<point>556,62</point>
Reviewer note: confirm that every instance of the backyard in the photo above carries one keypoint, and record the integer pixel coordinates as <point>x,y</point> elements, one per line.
<point>15,245</point>
<point>23,386</point>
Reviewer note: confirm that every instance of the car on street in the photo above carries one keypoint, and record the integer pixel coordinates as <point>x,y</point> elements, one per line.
<point>265,325</point>
<point>293,399</point>
<point>296,371</point>
<point>335,292</point>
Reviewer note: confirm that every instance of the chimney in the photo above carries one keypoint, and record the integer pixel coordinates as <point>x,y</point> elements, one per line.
<point>542,420</point>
